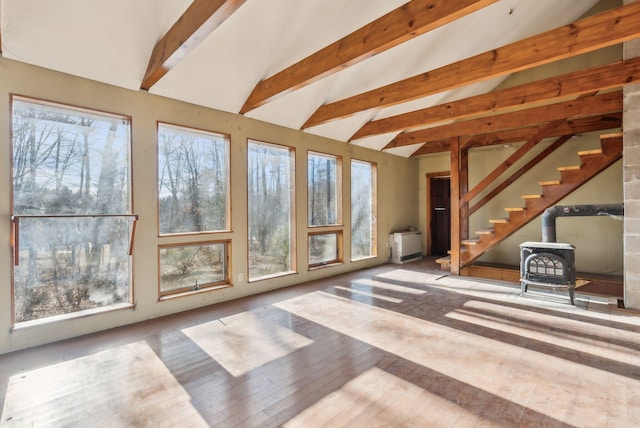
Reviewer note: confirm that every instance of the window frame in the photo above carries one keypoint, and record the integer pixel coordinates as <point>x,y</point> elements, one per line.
<point>15,218</point>
<point>292,211</point>
<point>228,222</point>
<point>374,209</point>
<point>338,260</point>
<point>332,228</point>
<point>185,291</point>
<point>339,199</point>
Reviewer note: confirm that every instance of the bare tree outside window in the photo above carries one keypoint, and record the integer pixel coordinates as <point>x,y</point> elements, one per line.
<point>192,267</point>
<point>324,209</point>
<point>71,208</point>
<point>363,209</point>
<point>324,248</point>
<point>193,180</point>
<point>270,194</point>
<point>323,189</point>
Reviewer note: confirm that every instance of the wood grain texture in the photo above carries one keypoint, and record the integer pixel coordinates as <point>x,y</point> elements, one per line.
<point>446,351</point>
<point>570,127</point>
<point>605,29</point>
<point>568,85</point>
<point>398,26</point>
<point>195,24</point>
<point>519,173</point>
<point>606,103</point>
<point>571,178</point>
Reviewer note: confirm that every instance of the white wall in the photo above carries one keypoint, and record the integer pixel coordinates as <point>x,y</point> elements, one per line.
<point>397,202</point>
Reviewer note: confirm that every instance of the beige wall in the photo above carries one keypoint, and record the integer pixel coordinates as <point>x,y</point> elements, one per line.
<point>598,240</point>
<point>397,204</point>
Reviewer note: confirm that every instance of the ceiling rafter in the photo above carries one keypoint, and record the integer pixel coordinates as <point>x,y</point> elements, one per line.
<point>604,103</point>
<point>567,85</point>
<point>570,127</point>
<point>404,23</point>
<point>605,29</point>
<point>195,24</point>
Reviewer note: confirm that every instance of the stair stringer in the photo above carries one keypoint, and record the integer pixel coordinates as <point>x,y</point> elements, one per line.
<point>592,163</point>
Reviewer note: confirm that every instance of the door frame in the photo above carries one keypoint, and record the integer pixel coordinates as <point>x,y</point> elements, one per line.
<point>429,176</point>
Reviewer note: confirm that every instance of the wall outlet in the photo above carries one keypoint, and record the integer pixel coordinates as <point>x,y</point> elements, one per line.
<point>240,277</point>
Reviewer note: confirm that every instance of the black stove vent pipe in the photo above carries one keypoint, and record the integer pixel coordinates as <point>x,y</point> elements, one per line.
<point>550,214</point>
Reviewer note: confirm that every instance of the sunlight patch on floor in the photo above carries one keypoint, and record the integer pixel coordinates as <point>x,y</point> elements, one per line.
<point>123,386</point>
<point>589,338</point>
<point>368,294</point>
<point>473,355</point>
<point>372,283</point>
<point>245,341</point>
<point>378,398</point>
<point>409,276</point>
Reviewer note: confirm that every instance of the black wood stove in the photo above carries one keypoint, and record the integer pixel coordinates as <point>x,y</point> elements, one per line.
<point>548,265</point>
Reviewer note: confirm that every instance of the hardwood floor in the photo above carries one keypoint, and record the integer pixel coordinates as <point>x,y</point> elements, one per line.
<point>391,346</point>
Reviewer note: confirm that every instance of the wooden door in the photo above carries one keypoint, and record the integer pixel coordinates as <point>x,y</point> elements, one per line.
<point>440,206</point>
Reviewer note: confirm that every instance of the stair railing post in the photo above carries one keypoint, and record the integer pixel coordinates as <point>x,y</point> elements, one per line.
<point>455,205</point>
<point>464,188</point>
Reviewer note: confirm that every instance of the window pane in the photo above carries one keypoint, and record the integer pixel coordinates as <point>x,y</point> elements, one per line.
<point>193,176</point>
<point>323,248</point>
<point>192,267</point>
<point>363,193</point>
<point>270,188</point>
<point>323,192</point>
<point>69,162</point>
<point>71,264</point>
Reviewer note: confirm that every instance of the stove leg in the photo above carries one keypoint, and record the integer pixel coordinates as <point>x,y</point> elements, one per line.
<point>523,287</point>
<point>572,293</point>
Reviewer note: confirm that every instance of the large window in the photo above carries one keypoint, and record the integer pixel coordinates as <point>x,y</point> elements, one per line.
<point>324,196</point>
<point>271,226</point>
<point>72,221</point>
<point>192,267</point>
<point>324,209</point>
<point>193,180</point>
<point>363,209</point>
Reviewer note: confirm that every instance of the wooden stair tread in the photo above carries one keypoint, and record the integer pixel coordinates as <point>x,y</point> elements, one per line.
<point>590,152</point>
<point>572,177</point>
<point>443,259</point>
<point>611,136</point>
<point>569,168</point>
<point>470,242</point>
<point>499,221</point>
<point>489,231</point>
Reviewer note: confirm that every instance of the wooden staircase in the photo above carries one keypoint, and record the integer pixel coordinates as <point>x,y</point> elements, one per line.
<point>571,177</point>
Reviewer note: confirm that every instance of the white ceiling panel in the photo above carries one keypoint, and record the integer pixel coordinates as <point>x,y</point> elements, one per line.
<point>111,41</point>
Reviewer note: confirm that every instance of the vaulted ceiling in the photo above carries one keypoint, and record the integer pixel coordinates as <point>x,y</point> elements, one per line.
<point>390,75</point>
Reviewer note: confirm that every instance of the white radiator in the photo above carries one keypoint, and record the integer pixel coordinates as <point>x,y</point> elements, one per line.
<point>405,247</point>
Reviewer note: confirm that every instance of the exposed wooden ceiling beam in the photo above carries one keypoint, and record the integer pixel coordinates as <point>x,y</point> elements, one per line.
<point>404,23</point>
<point>605,103</point>
<point>568,85</point>
<point>570,127</point>
<point>605,29</point>
<point>195,24</point>
<point>432,147</point>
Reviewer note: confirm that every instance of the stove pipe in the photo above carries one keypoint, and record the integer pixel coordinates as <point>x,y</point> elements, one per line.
<point>550,214</point>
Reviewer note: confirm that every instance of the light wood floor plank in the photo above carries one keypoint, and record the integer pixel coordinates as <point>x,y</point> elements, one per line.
<point>397,346</point>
